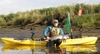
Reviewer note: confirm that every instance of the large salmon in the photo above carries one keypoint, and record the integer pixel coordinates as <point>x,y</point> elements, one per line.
<point>59,37</point>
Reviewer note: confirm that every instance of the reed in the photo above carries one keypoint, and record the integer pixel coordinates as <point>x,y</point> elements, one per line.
<point>90,16</point>
<point>2,22</point>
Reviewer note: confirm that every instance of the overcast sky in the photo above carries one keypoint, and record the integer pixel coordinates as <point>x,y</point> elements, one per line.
<point>8,6</point>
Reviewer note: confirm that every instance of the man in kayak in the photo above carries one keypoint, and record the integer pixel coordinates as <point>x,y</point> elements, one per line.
<point>52,31</point>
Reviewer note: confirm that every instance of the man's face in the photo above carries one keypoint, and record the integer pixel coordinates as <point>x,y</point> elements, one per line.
<point>55,24</point>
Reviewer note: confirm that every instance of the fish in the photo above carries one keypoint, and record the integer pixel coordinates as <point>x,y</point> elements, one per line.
<point>59,37</point>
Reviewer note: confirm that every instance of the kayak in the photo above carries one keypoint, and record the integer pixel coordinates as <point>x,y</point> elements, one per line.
<point>82,41</point>
<point>68,48</point>
<point>12,41</point>
<point>78,41</point>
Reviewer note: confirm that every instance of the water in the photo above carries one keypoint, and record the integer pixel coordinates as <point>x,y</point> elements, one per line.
<point>74,49</point>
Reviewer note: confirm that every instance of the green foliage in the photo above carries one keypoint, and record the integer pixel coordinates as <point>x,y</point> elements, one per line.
<point>2,22</point>
<point>97,8</point>
<point>90,16</point>
<point>85,20</point>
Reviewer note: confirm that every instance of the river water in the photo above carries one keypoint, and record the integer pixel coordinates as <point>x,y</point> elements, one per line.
<point>73,49</point>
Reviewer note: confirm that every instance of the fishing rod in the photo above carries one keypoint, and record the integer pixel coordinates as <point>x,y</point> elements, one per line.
<point>89,1</point>
<point>81,27</point>
<point>32,35</point>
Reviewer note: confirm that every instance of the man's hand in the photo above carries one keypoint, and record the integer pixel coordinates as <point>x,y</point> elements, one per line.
<point>48,38</point>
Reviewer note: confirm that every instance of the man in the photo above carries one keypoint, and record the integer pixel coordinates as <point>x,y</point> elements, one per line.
<point>51,31</point>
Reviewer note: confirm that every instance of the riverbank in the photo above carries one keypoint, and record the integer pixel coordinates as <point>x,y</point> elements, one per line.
<point>20,33</point>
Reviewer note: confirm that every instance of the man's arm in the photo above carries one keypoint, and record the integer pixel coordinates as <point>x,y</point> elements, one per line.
<point>45,33</point>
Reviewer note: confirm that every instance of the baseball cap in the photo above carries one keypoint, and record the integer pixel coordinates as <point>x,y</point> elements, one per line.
<point>55,21</point>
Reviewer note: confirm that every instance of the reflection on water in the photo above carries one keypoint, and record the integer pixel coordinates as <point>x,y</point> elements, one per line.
<point>72,49</point>
<point>33,49</point>
<point>80,48</point>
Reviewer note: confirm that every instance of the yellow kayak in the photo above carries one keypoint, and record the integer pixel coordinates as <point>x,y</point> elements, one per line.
<point>68,48</point>
<point>12,41</point>
<point>84,40</point>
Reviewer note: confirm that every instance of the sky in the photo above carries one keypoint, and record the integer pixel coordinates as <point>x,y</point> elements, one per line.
<point>13,6</point>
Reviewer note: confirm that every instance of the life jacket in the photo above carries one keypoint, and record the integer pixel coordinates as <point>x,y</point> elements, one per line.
<point>55,31</point>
